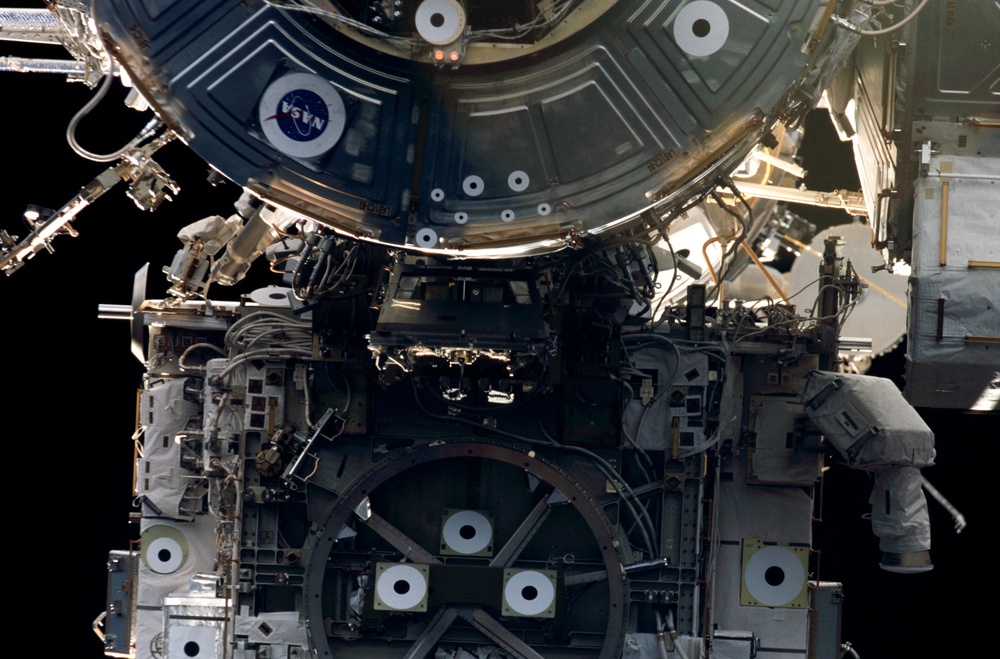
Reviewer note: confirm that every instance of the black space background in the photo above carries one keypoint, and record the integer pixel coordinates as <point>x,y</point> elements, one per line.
<point>69,382</point>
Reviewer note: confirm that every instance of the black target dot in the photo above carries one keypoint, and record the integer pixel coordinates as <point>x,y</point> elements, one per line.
<point>701,28</point>
<point>164,556</point>
<point>401,587</point>
<point>529,593</point>
<point>437,20</point>
<point>774,576</point>
<point>468,531</point>
<point>191,649</point>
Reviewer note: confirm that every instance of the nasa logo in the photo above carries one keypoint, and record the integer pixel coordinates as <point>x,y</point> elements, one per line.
<point>302,115</point>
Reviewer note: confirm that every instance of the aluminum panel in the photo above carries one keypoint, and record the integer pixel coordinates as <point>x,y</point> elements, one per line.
<point>608,146</point>
<point>166,29</point>
<point>756,46</point>
<point>953,37</point>
<point>510,141</point>
<point>580,130</point>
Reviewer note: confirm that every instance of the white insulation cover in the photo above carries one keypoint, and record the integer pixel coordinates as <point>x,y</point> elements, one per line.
<point>675,369</point>
<point>748,511</point>
<point>199,556</point>
<point>165,412</point>
<point>867,420</point>
<point>899,511</point>
<point>960,299</point>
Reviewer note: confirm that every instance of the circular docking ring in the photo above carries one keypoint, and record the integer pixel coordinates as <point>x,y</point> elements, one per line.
<point>399,476</point>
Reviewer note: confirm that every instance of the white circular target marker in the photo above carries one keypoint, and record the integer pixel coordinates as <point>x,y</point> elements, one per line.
<point>529,593</point>
<point>467,532</point>
<point>518,181</point>
<point>401,587</point>
<point>426,237</point>
<point>774,576</point>
<point>461,218</point>
<point>701,28</point>
<point>164,555</point>
<point>302,115</point>
<point>440,22</point>
<point>271,296</point>
<point>473,185</point>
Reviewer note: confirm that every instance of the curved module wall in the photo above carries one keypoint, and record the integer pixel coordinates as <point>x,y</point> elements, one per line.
<point>576,133</point>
